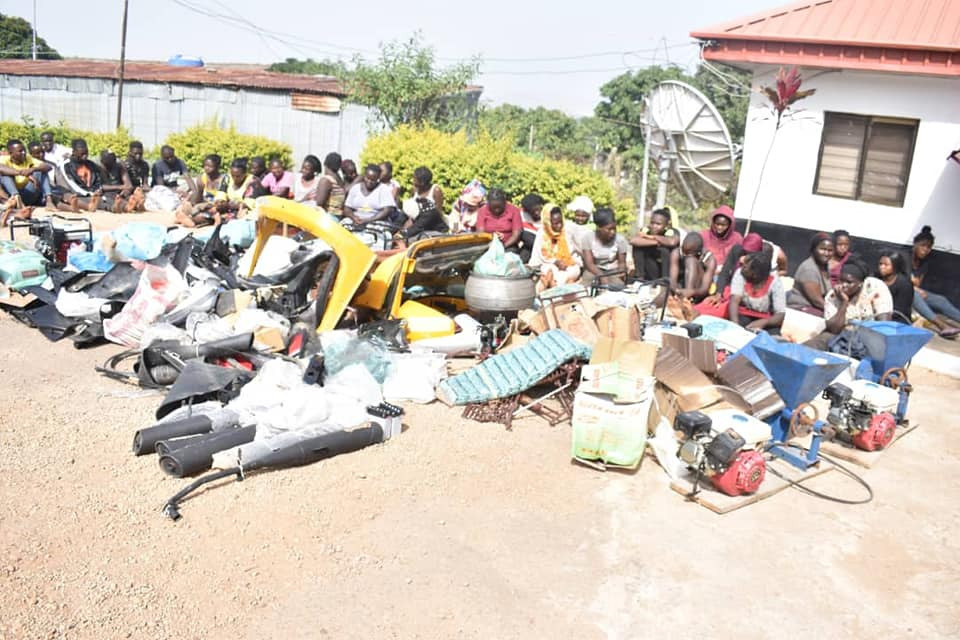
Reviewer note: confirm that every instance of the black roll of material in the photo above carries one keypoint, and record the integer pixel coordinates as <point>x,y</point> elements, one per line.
<point>145,440</point>
<point>166,446</point>
<point>198,456</point>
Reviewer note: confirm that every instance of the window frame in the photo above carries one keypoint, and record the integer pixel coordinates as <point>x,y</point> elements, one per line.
<point>862,160</point>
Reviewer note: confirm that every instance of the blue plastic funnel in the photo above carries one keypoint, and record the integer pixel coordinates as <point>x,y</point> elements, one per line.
<point>749,351</point>
<point>798,373</point>
<point>891,344</point>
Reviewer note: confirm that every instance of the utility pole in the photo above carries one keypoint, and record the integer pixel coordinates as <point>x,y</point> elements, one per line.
<point>34,29</point>
<point>530,140</point>
<point>123,57</point>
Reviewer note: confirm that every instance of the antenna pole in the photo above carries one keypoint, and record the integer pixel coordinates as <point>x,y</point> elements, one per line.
<point>123,57</point>
<point>34,29</point>
<point>646,162</point>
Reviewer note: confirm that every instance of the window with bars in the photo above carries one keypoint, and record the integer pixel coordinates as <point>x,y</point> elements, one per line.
<point>865,158</point>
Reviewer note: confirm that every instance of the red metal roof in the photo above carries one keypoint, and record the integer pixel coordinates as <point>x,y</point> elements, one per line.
<point>904,36</point>
<point>219,75</point>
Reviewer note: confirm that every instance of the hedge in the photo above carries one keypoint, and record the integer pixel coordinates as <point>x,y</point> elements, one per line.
<point>193,144</point>
<point>455,161</point>
<point>29,131</point>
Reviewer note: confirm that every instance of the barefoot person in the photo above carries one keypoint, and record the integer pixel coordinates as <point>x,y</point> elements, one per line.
<point>116,183</point>
<point>925,302</point>
<point>24,179</point>
<point>555,251</point>
<point>331,192</point>
<point>691,269</point>
<point>83,179</point>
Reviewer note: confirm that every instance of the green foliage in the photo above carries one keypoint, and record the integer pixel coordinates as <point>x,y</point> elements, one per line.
<point>310,67</point>
<point>405,87</point>
<point>205,138</point>
<point>16,40</point>
<point>455,161</point>
<point>555,134</point>
<point>29,131</point>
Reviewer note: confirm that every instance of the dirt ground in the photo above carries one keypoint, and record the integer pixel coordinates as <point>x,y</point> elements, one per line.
<point>455,529</point>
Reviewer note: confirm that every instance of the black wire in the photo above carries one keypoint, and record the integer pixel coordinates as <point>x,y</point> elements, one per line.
<point>818,494</point>
<point>170,508</point>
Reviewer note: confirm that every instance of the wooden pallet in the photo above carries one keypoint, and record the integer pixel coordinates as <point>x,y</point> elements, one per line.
<point>866,459</point>
<point>722,503</point>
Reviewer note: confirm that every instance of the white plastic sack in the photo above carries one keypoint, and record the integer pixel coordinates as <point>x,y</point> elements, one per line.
<point>414,377</point>
<point>77,304</point>
<point>157,292</point>
<point>161,198</point>
<point>163,331</point>
<point>496,261</point>
<point>351,390</point>
<point>207,327</point>
<point>250,320</point>
<point>274,257</point>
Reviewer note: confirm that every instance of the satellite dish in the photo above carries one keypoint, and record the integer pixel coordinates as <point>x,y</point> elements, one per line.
<point>690,142</point>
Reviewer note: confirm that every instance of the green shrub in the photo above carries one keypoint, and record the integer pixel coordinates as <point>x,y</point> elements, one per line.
<point>455,161</point>
<point>29,131</point>
<point>205,138</point>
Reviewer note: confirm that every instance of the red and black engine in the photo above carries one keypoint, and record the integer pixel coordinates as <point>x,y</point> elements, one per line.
<point>853,420</point>
<point>720,457</point>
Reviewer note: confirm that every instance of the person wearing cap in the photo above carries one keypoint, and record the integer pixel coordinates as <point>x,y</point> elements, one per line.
<point>581,227</point>
<point>463,213</point>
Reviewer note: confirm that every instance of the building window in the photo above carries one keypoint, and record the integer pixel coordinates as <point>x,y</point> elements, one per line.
<point>865,158</point>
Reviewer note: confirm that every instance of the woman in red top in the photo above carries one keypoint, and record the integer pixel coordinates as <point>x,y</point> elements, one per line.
<point>501,218</point>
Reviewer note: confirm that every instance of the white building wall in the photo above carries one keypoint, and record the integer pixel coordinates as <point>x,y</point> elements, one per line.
<point>786,196</point>
<point>152,111</point>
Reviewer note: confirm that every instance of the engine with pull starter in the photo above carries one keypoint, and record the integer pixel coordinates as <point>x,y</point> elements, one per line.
<point>719,456</point>
<point>861,414</point>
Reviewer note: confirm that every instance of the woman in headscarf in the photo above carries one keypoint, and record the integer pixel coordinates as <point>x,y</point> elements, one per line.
<point>811,282</point>
<point>721,236</point>
<point>856,298</point>
<point>463,214</point>
<point>555,251</point>
<point>841,253</point>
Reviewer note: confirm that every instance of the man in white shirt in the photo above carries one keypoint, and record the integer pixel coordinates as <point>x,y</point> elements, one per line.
<point>370,200</point>
<point>54,154</point>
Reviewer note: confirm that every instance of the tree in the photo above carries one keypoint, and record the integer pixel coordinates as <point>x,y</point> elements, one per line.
<point>553,133</point>
<point>16,40</point>
<point>405,87</point>
<point>310,67</point>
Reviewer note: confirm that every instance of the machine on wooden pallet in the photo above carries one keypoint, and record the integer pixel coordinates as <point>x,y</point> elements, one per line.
<point>723,457</point>
<point>861,414</point>
<point>890,346</point>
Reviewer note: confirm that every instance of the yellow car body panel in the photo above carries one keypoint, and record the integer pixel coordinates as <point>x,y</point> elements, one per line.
<point>425,322</point>
<point>355,258</point>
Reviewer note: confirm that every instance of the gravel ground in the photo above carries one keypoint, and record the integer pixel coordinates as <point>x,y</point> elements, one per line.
<point>455,529</point>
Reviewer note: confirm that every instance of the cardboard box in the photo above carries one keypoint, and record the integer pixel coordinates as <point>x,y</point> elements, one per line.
<point>233,301</point>
<point>619,323</point>
<point>271,338</point>
<point>607,379</point>
<point>632,356</point>
<point>702,353</point>
<point>693,389</point>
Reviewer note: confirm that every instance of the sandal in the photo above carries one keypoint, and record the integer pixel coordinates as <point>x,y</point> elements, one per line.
<point>950,333</point>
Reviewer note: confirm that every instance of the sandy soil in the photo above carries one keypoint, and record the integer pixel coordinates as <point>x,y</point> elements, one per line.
<point>455,529</point>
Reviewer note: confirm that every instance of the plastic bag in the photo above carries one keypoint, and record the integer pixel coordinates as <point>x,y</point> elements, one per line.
<point>607,431</point>
<point>349,392</point>
<point>275,257</point>
<point>79,305</point>
<point>139,240</point>
<point>158,290</point>
<point>239,233</point>
<point>83,260</point>
<point>201,296</point>
<point>163,331</point>
<point>496,261</point>
<point>161,198</point>
<point>207,327</point>
<point>415,376</point>
<point>369,352</point>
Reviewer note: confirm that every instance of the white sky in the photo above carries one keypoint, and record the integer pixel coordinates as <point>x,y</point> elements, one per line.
<point>520,42</point>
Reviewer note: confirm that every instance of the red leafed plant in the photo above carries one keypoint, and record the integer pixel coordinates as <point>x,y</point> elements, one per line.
<point>786,92</point>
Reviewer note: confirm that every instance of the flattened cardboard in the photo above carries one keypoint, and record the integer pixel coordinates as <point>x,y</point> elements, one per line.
<point>694,390</point>
<point>634,357</point>
<point>619,323</point>
<point>702,353</point>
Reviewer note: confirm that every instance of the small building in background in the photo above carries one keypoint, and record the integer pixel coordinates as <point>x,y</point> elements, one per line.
<point>870,151</point>
<point>306,112</point>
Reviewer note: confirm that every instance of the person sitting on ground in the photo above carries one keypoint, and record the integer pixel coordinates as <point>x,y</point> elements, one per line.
<point>258,171</point>
<point>305,186</point>
<point>82,178</point>
<point>555,251</point>
<point>757,298</point>
<point>463,213</point>
<point>116,183</point>
<point>424,187</point>
<point>652,246</point>
<point>841,253</point>
<point>502,219</point>
<point>605,258</point>
<point>169,169</point>
<point>386,177</point>
<point>198,210</point>
<point>25,181</point>
<point>691,269</point>
<point>277,181</point>
<point>350,174</point>
<point>892,269</point>
<point>54,154</point>
<point>138,170</point>
<point>236,200</point>
<point>811,282</point>
<point>856,298</point>
<point>424,220</point>
<point>581,226</point>
<point>927,303</point>
<point>371,200</point>
<point>531,208</point>
<point>721,236</point>
<point>331,192</point>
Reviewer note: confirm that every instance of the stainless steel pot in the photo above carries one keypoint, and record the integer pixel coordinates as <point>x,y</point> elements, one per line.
<point>499,293</point>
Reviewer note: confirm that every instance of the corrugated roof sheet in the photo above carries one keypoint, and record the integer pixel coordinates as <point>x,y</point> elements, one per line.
<point>907,36</point>
<point>224,76</point>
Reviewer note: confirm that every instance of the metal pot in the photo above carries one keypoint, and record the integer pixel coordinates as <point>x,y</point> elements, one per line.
<point>499,293</point>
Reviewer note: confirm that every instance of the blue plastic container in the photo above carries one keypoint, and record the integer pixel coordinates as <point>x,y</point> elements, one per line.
<point>184,61</point>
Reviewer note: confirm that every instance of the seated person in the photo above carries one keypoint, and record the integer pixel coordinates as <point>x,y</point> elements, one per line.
<point>424,220</point>
<point>169,169</point>
<point>197,209</point>
<point>555,251</point>
<point>691,269</point>
<point>305,186</point>
<point>424,187</point>
<point>721,236</point>
<point>605,258</point>
<point>139,173</point>
<point>892,270</point>
<point>757,298</point>
<point>841,253</point>
<point>531,208</point>
<point>331,191</point>
<point>54,153</point>
<point>82,179</point>
<point>718,302</point>
<point>116,183</point>
<point>502,219</point>
<point>811,282</point>
<point>35,149</point>
<point>386,177</point>
<point>258,171</point>
<point>463,213</point>
<point>652,246</point>
<point>24,179</point>
<point>277,181</point>
<point>350,175</point>
<point>857,298</point>
<point>371,200</point>
<point>927,303</point>
<point>236,200</point>
<point>581,226</point>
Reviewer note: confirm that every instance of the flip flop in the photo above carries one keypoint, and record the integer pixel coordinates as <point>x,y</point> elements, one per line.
<point>950,333</point>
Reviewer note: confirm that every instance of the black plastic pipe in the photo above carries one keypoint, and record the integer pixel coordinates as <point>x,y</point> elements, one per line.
<point>197,457</point>
<point>145,440</point>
